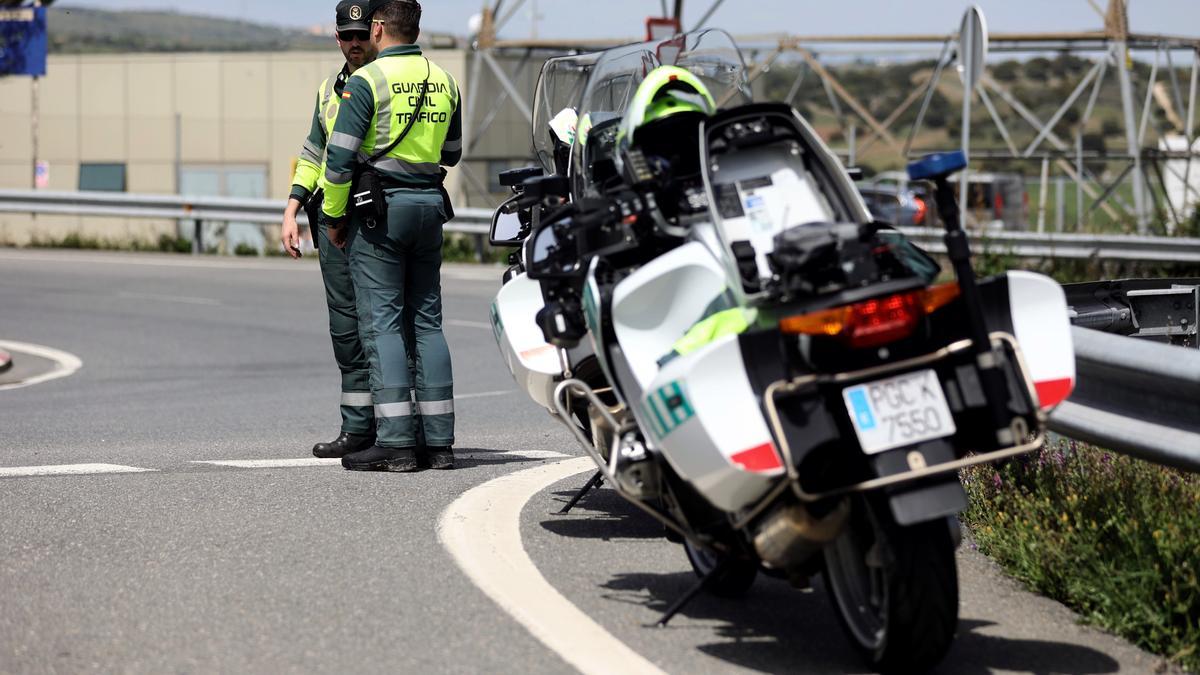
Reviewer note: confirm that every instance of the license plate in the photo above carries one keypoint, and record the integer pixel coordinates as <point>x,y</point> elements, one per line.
<point>899,412</point>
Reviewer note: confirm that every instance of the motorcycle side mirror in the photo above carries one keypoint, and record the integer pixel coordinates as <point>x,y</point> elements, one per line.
<point>551,253</point>
<point>515,177</point>
<point>507,229</point>
<point>536,190</point>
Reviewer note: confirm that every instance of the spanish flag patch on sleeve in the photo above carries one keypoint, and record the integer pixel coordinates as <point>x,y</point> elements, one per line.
<point>345,94</point>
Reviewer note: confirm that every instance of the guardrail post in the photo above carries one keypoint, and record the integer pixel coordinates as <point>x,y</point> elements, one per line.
<point>479,251</point>
<point>197,237</point>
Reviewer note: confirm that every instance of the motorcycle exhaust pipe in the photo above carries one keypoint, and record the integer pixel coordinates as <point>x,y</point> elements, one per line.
<point>790,534</point>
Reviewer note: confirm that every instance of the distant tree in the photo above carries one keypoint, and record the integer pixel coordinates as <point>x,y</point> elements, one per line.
<point>1095,143</point>
<point>1038,69</point>
<point>1007,71</point>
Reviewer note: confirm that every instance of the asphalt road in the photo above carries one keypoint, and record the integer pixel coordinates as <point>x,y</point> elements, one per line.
<point>192,567</point>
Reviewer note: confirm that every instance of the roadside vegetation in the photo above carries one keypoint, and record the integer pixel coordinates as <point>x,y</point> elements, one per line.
<point>1114,538</point>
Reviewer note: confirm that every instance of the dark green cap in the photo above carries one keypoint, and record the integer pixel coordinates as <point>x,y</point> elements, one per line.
<point>353,14</point>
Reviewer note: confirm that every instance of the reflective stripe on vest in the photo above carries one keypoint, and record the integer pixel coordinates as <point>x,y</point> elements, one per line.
<point>330,105</point>
<point>396,82</point>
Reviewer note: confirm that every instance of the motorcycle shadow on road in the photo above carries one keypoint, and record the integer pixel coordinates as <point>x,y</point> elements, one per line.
<point>470,458</point>
<point>777,628</point>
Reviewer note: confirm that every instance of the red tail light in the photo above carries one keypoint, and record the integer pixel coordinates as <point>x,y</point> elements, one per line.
<point>878,322</point>
<point>999,206</point>
<point>922,210</point>
<point>874,322</point>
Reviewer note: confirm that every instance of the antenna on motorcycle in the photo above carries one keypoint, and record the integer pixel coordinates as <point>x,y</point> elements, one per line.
<point>938,168</point>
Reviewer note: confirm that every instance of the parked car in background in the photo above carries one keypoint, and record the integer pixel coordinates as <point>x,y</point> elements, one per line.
<point>999,201</point>
<point>901,207</point>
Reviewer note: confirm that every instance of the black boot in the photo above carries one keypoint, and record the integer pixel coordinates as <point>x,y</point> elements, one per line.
<point>440,458</point>
<point>398,460</point>
<point>344,445</point>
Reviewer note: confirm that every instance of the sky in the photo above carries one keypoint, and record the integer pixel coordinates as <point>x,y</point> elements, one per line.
<point>626,18</point>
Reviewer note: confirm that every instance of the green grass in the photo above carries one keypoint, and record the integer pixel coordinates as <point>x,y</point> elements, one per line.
<point>1114,538</point>
<point>79,241</point>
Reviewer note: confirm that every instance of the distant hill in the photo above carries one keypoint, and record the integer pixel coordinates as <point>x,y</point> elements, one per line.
<point>75,30</point>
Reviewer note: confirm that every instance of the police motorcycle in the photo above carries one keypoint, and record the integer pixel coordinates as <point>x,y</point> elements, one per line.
<point>797,392</point>
<point>537,366</point>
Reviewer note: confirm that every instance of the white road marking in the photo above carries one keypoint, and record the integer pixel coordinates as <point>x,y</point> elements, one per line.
<point>486,394</point>
<point>482,532</point>
<point>271,463</point>
<point>469,324</point>
<point>181,299</point>
<point>69,470</point>
<point>523,454</point>
<point>309,462</point>
<point>66,363</point>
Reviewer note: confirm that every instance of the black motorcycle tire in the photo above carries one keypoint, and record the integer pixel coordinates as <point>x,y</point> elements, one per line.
<point>734,582</point>
<point>913,624</point>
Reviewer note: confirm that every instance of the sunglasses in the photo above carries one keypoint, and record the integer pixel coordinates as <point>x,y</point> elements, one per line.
<point>352,35</point>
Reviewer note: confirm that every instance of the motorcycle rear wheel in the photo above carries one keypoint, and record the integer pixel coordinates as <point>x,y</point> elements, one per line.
<point>734,582</point>
<point>895,589</point>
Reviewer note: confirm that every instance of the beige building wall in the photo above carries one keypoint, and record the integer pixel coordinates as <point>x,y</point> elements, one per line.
<point>157,112</point>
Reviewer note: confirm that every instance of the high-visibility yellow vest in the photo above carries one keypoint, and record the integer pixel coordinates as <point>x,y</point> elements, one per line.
<point>397,83</point>
<point>309,170</point>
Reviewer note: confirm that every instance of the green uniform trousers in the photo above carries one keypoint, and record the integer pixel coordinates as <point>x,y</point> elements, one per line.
<point>396,267</point>
<point>358,413</point>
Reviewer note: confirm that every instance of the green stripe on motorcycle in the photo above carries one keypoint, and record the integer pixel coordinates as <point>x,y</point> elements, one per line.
<point>686,406</point>
<point>669,403</point>
<point>661,427</point>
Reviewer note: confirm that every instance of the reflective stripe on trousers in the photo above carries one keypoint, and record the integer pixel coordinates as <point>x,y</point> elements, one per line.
<point>396,271</point>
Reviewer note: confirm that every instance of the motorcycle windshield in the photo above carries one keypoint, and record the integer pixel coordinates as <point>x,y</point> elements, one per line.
<point>711,55</point>
<point>560,88</point>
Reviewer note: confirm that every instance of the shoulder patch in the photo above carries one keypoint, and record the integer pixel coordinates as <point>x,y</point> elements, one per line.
<point>346,94</point>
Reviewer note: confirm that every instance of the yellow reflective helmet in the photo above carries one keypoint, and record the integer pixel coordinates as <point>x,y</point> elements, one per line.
<point>666,91</point>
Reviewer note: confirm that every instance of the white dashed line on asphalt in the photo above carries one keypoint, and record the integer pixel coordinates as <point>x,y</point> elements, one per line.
<point>271,463</point>
<point>310,462</point>
<point>469,324</point>
<point>482,532</point>
<point>486,394</point>
<point>65,363</point>
<point>69,470</point>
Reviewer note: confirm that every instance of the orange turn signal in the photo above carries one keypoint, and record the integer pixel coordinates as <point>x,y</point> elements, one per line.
<point>874,322</point>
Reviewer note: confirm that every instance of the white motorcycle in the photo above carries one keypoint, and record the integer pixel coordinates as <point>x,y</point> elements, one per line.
<point>536,365</point>
<point>824,434</point>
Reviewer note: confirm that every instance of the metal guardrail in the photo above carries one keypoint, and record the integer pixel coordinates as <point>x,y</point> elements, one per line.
<point>1071,246</point>
<point>192,209</point>
<point>1136,397</point>
<point>1133,396</point>
<point>475,222</point>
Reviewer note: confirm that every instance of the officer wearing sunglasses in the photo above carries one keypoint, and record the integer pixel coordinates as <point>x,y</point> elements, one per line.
<point>358,417</point>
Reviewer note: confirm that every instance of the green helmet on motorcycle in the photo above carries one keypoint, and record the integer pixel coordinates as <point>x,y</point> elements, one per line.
<point>668,92</point>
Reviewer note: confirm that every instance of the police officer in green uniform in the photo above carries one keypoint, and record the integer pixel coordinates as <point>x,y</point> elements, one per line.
<point>399,123</point>
<point>358,417</point>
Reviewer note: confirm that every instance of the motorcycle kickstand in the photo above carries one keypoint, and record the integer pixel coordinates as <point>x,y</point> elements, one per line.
<point>594,483</point>
<point>683,601</point>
